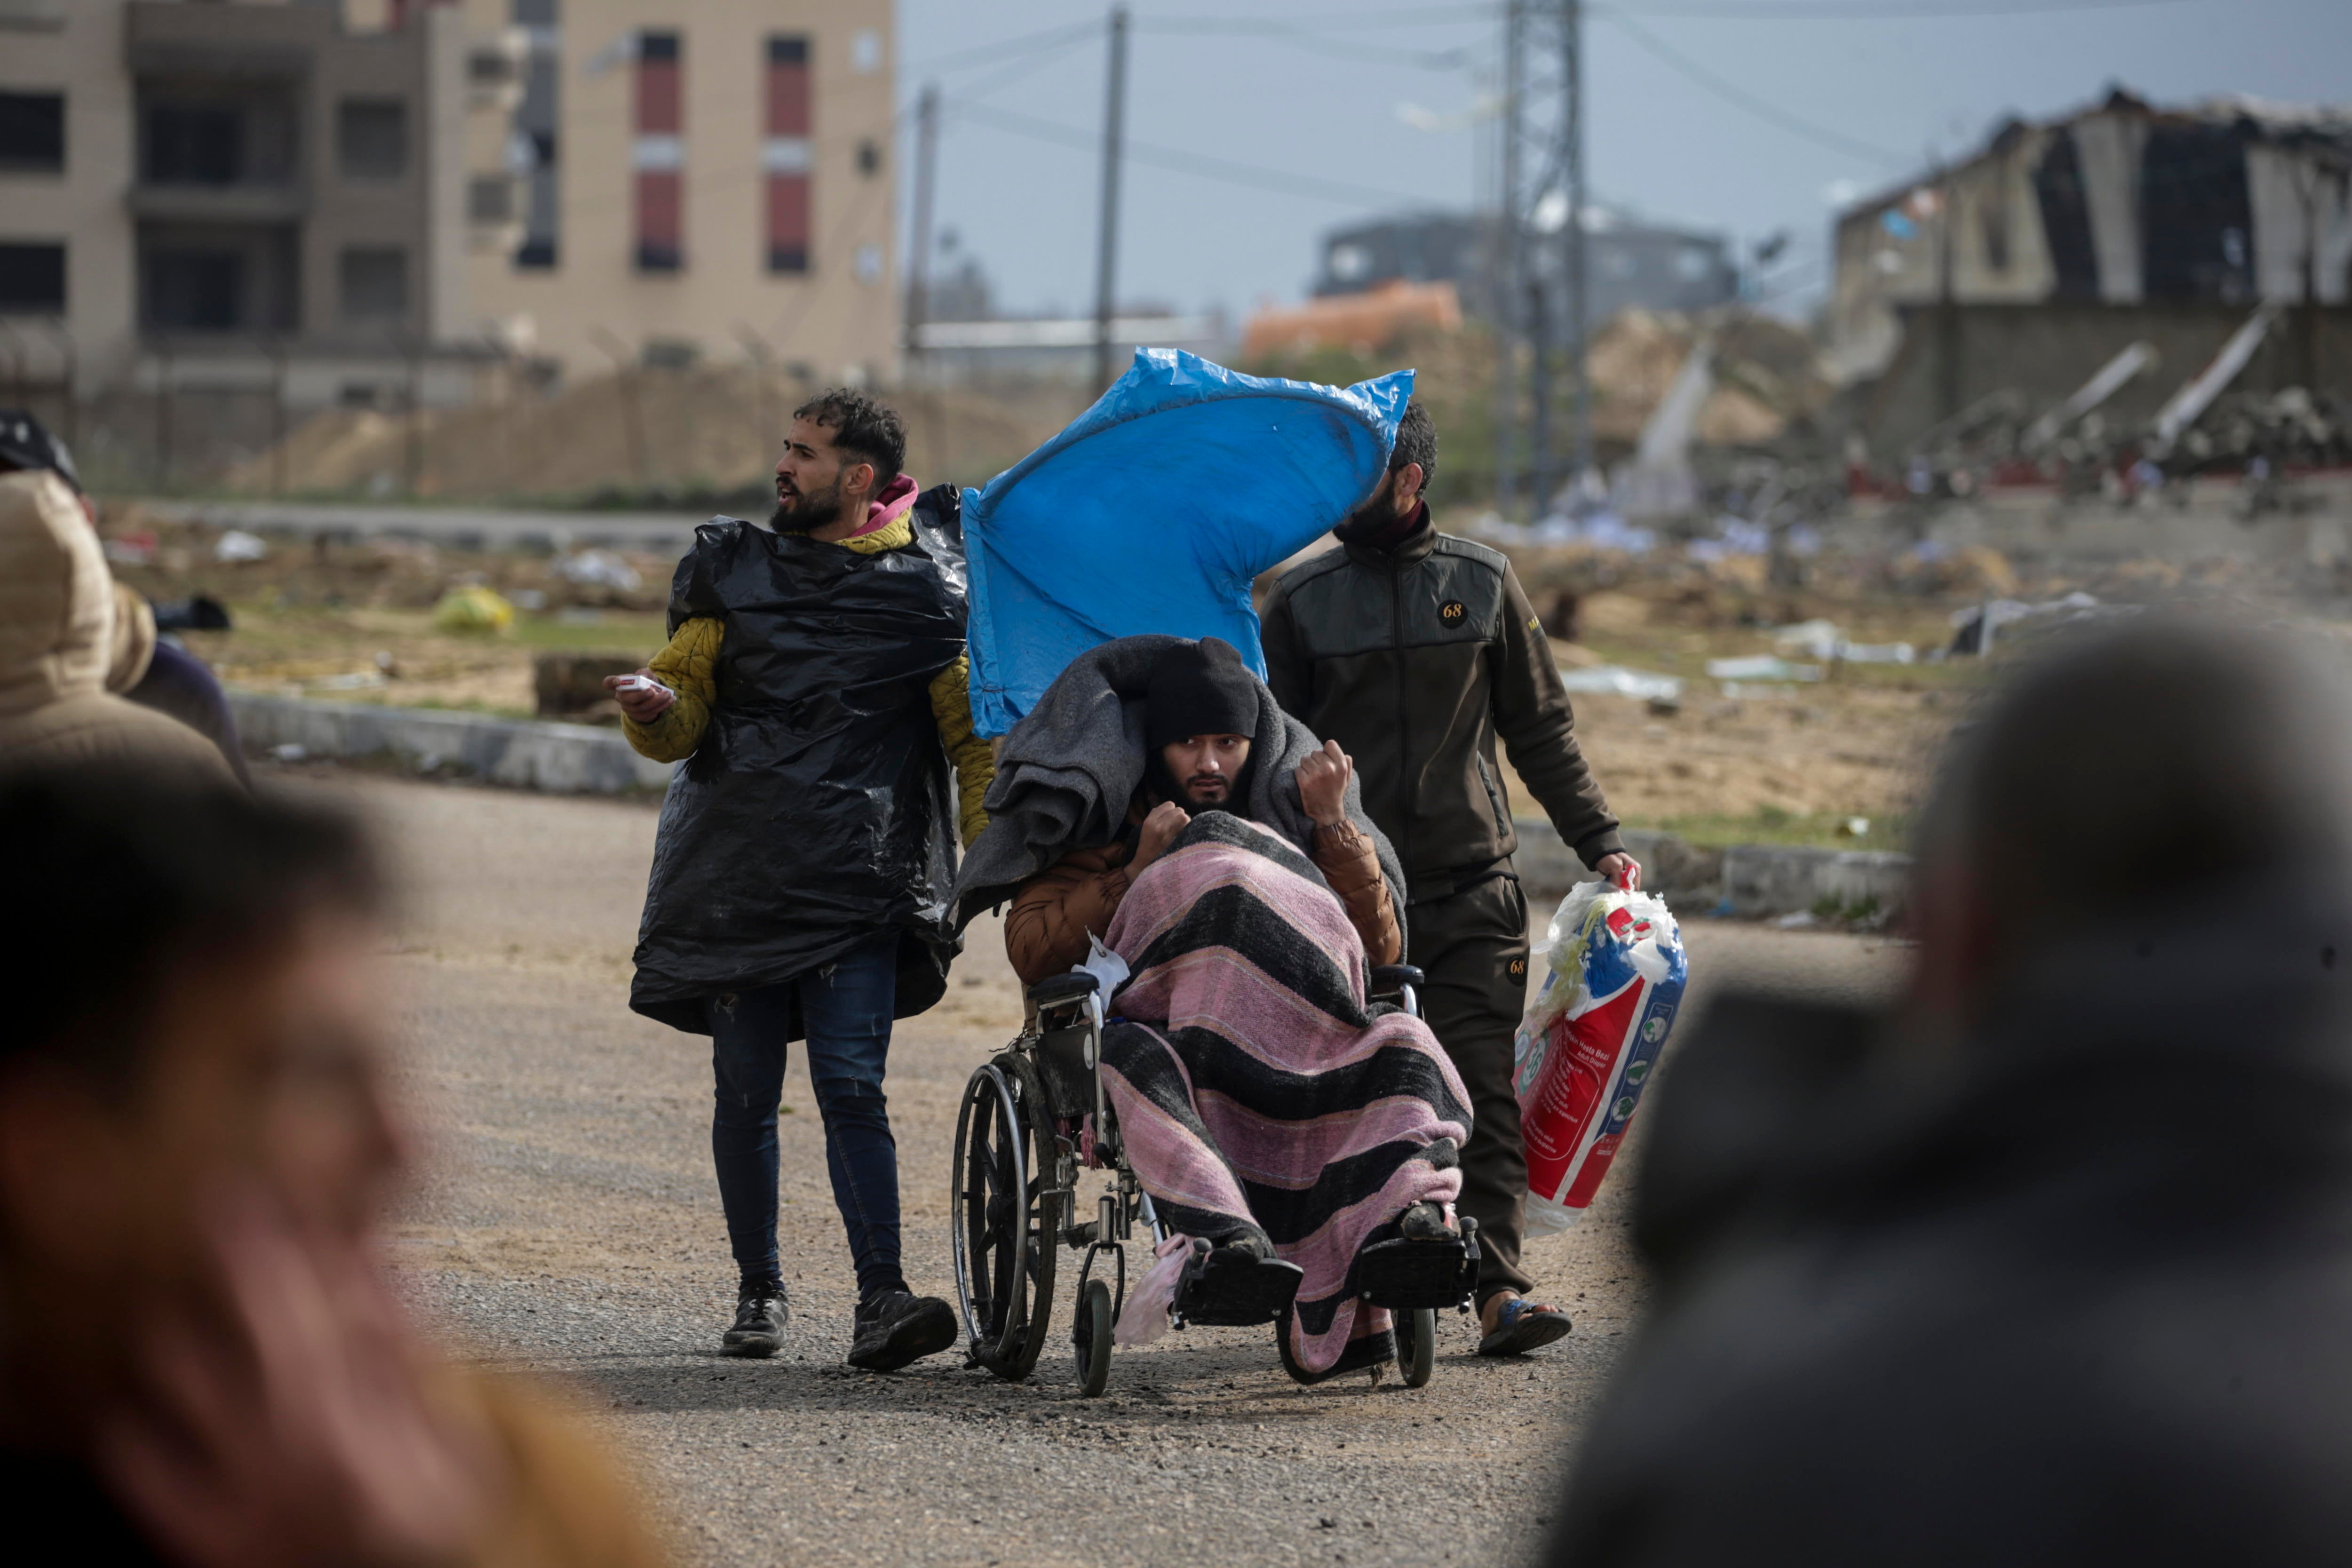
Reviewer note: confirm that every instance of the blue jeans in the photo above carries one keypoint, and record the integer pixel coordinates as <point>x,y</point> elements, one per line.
<point>844,1010</point>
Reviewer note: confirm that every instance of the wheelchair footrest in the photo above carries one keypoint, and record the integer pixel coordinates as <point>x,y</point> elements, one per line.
<point>1226,1287</point>
<point>1404,1275</point>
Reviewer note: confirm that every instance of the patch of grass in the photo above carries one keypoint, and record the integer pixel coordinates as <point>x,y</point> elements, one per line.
<point>1770,825</point>
<point>641,633</point>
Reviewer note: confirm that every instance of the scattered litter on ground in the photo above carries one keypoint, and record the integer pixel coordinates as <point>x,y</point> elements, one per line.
<point>1761,666</point>
<point>473,608</point>
<point>600,569</point>
<point>292,751</point>
<point>1803,919</point>
<point>357,680</point>
<point>1854,827</point>
<point>1971,624</point>
<point>1616,680</point>
<point>130,550</point>
<point>238,545</point>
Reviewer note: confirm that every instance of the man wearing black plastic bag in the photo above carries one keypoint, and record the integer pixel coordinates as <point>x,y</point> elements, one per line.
<point>814,685</point>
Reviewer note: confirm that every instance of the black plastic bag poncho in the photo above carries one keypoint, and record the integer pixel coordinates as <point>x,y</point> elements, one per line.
<point>817,812</point>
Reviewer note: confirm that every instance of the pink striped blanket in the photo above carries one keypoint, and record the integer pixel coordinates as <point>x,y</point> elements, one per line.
<point>1258,1094</point>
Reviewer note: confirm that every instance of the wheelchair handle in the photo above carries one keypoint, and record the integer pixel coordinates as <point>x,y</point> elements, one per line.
<point>1389,978</point>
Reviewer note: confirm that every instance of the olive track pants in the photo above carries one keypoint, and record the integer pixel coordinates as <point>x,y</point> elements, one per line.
<point>1472,946</point>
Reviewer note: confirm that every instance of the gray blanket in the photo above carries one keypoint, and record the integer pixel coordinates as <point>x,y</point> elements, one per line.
<point>1066,772</point>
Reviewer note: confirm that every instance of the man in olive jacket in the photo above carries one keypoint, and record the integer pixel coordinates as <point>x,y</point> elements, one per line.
<point>1413,650</point>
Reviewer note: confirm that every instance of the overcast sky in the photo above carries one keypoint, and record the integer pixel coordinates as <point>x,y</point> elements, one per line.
<point>1878,92</point>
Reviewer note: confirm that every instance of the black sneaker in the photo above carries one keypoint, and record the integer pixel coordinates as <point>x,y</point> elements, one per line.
<point>898,1327</point>
<point>760,1314</point>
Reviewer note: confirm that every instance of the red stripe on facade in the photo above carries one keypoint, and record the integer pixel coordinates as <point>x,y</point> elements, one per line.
<point>660,106</point>
<point>788,214</point>
<point>788,99</point>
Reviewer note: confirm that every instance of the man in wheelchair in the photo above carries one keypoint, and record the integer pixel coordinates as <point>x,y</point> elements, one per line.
<point>1159,802</point>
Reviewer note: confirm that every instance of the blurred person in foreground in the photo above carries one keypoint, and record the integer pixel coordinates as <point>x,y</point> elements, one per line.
<point>815,693</point>
<point>65,635</point>
<point>1414,651</point>
<point>201,1361</point>
<point>53,582</point>
<point>2053,1264</point>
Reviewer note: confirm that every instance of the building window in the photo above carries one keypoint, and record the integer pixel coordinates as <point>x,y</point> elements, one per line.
<point>32,132</point>
<point>489,199</point>
<point>870,158</point>
<point>534,123</point>
<point>195,145</point>
<point>372,138</point>
<point>32,280</point>
<point>374,284</point>
<point>196,291</point>
<point>784,153</point>
<point>658,156</point>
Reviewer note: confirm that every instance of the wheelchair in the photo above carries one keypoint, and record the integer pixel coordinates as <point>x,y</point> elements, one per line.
<point>1033,1117</point>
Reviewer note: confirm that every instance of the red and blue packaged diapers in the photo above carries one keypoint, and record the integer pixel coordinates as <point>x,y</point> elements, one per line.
<point>1590,1040</point>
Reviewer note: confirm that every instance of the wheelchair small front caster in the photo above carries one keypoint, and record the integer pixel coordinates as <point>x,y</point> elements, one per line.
<point>1091,1333</point>
<point>1416,1335</point>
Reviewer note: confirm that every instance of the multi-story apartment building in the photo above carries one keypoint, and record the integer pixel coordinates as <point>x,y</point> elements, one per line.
<point>356,200</point>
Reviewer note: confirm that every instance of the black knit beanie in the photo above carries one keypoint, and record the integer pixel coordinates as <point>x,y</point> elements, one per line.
<point>1199,689</point>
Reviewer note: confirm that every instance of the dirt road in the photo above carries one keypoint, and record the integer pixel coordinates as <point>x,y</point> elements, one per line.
<point>567,1222</point>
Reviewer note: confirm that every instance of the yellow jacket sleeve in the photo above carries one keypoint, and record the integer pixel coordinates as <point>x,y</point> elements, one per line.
<point>974,759</point>
<point>688,667</point>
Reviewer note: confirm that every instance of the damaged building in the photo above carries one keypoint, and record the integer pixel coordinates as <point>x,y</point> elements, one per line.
<point>2023,270</point>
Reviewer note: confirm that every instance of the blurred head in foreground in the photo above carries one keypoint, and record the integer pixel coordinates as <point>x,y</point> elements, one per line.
<point>193,1010</point>
<point>201,1358</point>
<point>2053,1265</point>
<point>2126,776</point>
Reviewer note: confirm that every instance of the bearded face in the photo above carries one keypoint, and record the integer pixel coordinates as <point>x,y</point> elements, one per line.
<point>803,512</point>
<point>1378,510</point>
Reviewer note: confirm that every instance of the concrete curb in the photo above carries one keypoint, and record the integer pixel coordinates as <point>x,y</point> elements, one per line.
<point>562,759</point>
<point>1748,880</point>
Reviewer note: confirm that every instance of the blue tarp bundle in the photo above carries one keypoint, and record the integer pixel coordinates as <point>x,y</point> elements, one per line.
<point>1155,510</point>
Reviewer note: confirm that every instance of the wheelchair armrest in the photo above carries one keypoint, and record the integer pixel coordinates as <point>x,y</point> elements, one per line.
<point>1054,990</point>
<point>1389,979</point>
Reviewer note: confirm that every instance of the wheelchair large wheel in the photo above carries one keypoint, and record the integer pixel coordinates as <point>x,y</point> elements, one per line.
<point>1092,1334</point>
<point>1006,1220</point>
<point>1416,1337</point>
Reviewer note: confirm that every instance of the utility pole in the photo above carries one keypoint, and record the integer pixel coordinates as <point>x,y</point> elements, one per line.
<point>918,267</point>
<point>1106,245</point>
<point>1507,256</point>
<point>1540,298</point>
<point>1948,316</point>
<point>1571,71</point>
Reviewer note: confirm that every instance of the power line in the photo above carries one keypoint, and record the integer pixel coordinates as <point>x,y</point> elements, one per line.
<point>1740,97</point>
<point>982,54</point>
<point>1831,11</point>
<point>1281,32</point>
<point>1021,69</point>
<point>1185,163</point>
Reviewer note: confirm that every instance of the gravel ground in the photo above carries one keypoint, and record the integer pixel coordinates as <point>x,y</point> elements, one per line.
<point>566,1222</point>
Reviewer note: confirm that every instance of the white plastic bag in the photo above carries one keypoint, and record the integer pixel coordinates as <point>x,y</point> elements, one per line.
<point>1589,1040</point>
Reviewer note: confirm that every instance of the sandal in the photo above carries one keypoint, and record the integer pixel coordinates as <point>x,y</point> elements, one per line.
<point>1523,1326</point>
